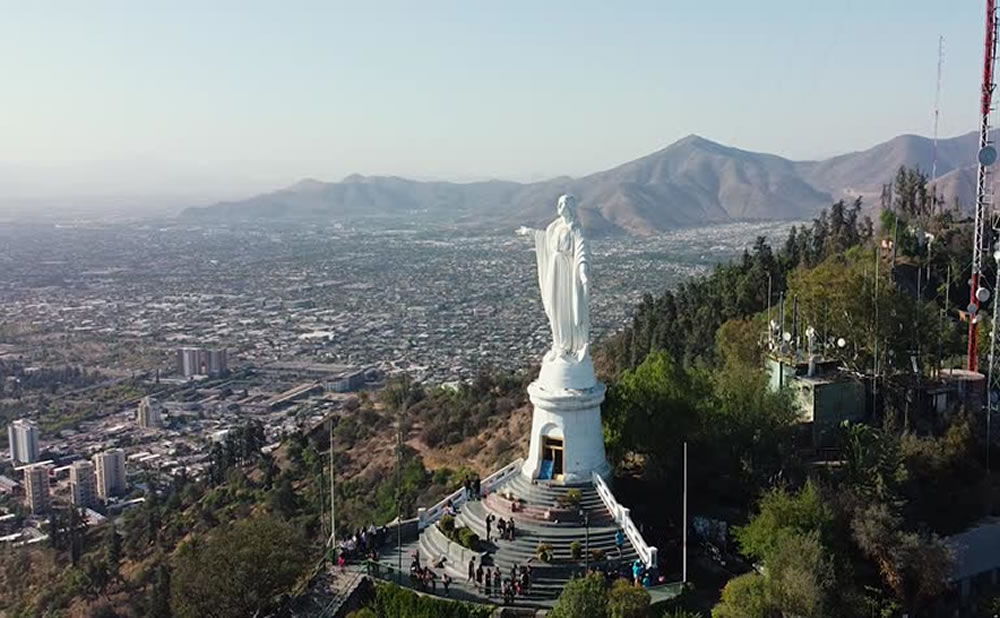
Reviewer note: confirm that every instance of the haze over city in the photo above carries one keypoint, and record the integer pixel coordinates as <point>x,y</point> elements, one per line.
<point>185,103</point>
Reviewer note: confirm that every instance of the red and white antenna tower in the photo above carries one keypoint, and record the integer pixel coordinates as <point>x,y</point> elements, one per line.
<point>987,157</point>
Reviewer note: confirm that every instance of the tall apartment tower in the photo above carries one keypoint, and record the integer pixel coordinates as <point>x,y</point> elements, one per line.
<point>215,361</point>
<point>22,436</point>
<point>148,414</point>
<point>36,488</point>
<point>192,361</point>
<point>109,467</point>
<point>83,483</point>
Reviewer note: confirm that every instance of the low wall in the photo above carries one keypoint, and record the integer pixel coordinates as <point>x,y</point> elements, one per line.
<point>623,518</point>
<point>430,515</point>
<point>409,530</point>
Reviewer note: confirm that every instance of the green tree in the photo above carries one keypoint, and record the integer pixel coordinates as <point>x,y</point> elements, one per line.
<point>627,601</point>
<point>800,575</point>
<point>873,465</point>
<point>283,499</point>
<point>747,433</point>
<point>159,597</point>
<point>780,513</point>
<point>237,571</point>
<point>744,597</point>
<point>113,553</point>
<point>582,597</point>
<point>914,566</point>
<point>649,410</point>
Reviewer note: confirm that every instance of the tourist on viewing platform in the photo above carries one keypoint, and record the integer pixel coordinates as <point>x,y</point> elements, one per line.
<point>510,529</point>
<point>479,576</point>
<point>472,569</point>
<point>497,579</point>
<point>637,572</point>
<point>502,528</point>
<point>475,487</point>
<point>489,526</point>
<point>620,541</point>
<point>489,582</point>
<point>445,581</point>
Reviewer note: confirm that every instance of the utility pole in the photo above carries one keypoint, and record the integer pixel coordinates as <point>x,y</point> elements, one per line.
<point>875,338</point>
<point>399,495</point>
<point>937,111</point>
<point>333,510</point>
<point>770,331</point>
<point>684,518</point>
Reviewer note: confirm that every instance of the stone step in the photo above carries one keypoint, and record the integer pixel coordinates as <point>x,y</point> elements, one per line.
<point>474,514</point>
<point>504,553</point>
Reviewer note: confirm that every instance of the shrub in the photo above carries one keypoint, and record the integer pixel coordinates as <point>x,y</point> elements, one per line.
<point>544,552</point>
<point>596,555</point>
<point>468,538</point>
<point>576,550</point>
<point>582,596</point>
<point>627,601</point>
<point>447,525</point>
<point>571,499</point>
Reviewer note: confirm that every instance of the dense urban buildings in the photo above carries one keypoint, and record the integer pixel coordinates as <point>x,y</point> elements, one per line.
<point>22,435</point>
<point>36,488</point>
<point>83,483</point>
<point>109,469</point>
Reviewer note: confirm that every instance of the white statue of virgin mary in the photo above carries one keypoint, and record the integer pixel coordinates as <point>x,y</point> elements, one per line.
<point>561,253</point>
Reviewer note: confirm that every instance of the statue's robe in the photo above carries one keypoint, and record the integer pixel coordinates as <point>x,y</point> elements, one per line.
<point>561,253</point>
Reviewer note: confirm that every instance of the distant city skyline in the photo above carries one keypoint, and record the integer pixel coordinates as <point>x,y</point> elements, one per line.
<point>198,102</point>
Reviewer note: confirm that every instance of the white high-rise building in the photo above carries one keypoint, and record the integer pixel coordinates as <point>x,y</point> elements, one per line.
<point>192,361</point>
<point>36,488</point>
<point>149,413</point>
<point>83,483</point>
<point>109,469</point>
<point>22,436</point>
<point>189,361</point>
<point>215,361</point>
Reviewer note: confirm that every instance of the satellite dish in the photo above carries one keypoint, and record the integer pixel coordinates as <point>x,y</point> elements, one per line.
<point>987,155</point>
<point>994,396</point>
<point>983,295</point>
<point>972,308</point>
<point>996,255</point>
<point>841,342</point>
<point>810,332</point>
<point>787,336</point>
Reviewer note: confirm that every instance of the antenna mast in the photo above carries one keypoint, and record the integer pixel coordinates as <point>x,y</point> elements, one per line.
<point>987,157</point>
<point>937,106</point>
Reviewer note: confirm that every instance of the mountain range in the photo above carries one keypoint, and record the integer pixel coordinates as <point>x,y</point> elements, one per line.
<point>693,181</point>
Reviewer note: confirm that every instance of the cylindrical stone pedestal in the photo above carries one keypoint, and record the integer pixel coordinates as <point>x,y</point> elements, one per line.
<point>572,415</point>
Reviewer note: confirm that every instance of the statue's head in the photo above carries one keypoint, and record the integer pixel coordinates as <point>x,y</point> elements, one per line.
<point>566,208</point>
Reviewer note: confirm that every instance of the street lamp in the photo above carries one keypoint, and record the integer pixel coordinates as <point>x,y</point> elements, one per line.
<point>585,514</point>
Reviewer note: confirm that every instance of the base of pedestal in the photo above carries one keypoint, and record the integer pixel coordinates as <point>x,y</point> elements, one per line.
<point>567,440</point>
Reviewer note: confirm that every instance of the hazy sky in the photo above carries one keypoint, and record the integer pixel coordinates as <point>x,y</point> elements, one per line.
<point>196,97</point>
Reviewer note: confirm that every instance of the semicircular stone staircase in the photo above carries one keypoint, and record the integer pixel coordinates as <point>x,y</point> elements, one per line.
<point>539,519</point>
